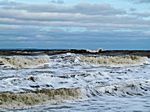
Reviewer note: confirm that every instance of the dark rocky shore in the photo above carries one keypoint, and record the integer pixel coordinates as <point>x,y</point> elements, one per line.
<point>82,51</point>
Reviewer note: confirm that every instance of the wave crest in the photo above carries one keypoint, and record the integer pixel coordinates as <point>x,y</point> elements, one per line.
<point>24,61</point>
<point>11,100</point>
<point>115,60</point>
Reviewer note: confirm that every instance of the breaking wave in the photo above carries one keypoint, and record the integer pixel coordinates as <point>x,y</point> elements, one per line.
<point>31,98</point>
<point>21,62</point>
<point>26,99</point>
<point>115,60</point>
<point>24,61</point>
<point>70,77</point>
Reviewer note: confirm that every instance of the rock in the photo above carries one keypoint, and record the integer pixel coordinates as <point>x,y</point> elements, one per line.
<point>31,78</point>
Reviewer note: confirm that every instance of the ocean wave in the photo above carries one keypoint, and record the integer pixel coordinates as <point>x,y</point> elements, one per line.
<point>35,97</point>
<point>27,99</point>
<point>114,61</point>
<point>128,88</point>
<point>24,61</point>
<point>70,77</point>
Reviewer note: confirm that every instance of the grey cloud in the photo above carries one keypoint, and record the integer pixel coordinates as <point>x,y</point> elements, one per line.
<point>141,14</point>
<point>52,24</point>
<point>54,35</point>
<point>21,17</point>
<point>61,15</point>
<point>142,1</point>
<point>89,26</point>
<point>132,9</point>
<point>138,1</point>
<point>83,8</point>
<point>103,9</point>
<point>57,1</point>
<point>84,15</point>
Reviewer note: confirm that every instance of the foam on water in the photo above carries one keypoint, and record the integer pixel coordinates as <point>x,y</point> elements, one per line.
<point>129,88</point>
<point>73,76</point>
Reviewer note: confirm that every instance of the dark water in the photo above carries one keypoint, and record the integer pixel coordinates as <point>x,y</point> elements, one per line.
<point>82,43</point>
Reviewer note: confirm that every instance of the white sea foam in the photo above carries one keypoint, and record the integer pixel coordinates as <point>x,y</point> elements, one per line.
<point>127,88</point>
<point>70,71</point>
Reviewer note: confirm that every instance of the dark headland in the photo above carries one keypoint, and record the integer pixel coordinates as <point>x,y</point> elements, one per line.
<point>33,52</point>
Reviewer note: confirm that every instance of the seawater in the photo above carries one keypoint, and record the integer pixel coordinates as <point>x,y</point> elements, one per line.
<point>104,88</point>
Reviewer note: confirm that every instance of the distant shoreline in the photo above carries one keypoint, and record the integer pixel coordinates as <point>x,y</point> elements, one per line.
<point>33,52</point>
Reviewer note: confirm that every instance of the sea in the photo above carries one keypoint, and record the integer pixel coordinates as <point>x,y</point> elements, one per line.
<point>79,83</point>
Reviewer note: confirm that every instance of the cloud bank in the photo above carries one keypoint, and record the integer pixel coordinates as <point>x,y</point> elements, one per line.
<point>59,21</point>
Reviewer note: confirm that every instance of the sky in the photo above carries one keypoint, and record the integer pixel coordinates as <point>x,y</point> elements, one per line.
<point>75,24</point>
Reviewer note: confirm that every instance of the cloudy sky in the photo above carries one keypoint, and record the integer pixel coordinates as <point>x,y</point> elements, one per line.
<point>89,24</point>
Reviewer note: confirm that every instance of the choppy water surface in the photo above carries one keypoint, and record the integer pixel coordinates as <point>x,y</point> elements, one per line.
<point>103,87</point>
